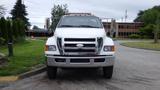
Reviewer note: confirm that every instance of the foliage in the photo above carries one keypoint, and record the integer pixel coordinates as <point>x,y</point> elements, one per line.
<point>2,41</point>
<point>13,29</point>
<point>147,31</point>
<point>35,27</point>
<point>2,11</point>
<point>3,30</point>
<point>148,16</point>
<point>157,30</point>
<point>57,12</point>
<point>151,20</point>
<point>19,12</point>
<point>138,19</point>
<point>134,36</point>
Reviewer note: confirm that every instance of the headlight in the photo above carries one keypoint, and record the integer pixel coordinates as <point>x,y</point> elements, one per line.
<point>109,48</point>
<point>50,48</point>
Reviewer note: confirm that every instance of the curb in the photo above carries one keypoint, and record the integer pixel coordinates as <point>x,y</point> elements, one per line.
<point>139,48</point>
<point>8,79</point>
<point>32,73</point>
<point>23,76</point>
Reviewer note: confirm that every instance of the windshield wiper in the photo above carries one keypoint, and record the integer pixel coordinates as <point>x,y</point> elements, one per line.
<point>87,26</point>
<point>66,26</point>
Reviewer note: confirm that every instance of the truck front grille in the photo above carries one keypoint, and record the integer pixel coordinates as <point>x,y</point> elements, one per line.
<point>80,46</point>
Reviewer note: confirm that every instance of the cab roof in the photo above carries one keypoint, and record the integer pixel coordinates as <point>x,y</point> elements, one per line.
<point>79,14</point>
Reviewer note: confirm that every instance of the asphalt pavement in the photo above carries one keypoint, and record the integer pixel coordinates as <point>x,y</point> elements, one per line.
<point>135,69</point>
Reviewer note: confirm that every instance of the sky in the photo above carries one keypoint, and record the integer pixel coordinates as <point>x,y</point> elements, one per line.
<point>39,10</point>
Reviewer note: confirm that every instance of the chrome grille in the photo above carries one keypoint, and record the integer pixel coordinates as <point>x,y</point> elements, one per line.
<point>80,46</point>
<point>59,44</point>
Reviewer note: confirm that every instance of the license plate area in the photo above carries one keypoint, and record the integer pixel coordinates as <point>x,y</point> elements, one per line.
<point>79,60</point>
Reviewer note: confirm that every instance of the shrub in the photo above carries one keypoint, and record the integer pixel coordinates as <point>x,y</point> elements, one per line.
<point>2,41</point>
<point>11,29</point>
<point>147,31</point>
<point>134,36</point>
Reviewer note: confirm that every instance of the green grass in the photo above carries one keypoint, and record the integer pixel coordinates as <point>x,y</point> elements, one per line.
<point>42,38</point>
<point>26,55</point>
<point>143,45</point>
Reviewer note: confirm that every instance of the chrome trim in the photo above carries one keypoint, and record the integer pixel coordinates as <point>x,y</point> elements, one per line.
<point>109,61</point>
<point>82,47</point>
<point>85,48</point>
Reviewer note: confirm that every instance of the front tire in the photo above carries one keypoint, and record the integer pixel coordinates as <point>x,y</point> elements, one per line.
<point>107,72</point>
<point>51,72</point>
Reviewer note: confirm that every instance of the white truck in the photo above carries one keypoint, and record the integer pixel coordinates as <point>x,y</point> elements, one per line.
<point>79,41</point>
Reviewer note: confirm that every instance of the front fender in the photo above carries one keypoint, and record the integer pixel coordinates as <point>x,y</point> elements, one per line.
<point>107,41</point>
<point>52,41</point>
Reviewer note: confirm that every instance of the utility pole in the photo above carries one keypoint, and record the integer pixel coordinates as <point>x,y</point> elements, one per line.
<point>126,15</point>
<point>122,19</point>
<point>23,2</point>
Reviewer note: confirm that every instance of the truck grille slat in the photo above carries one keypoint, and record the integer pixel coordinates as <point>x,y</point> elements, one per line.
<point>79,50</point>
<point>80,39</point>
<point>80,42</point>
<point>85,45</point>
<point>84,48</point>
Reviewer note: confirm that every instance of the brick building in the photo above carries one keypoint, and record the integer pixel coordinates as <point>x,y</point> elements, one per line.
<point>122,29</point>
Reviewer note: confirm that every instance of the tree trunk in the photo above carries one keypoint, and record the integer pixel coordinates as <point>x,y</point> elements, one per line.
<point>155,36</point>
<point>156,32</point>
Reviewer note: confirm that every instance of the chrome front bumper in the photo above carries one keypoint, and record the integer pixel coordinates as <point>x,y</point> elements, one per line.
<point>80,61</point>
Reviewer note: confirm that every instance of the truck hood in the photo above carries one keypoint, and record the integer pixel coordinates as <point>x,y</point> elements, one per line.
<point>80,32</point>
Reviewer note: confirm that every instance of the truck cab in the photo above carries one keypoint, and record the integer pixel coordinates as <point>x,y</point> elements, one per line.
<point>79,41</point>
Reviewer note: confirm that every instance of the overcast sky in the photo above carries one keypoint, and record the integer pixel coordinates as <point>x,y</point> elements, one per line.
<point>38,10</point>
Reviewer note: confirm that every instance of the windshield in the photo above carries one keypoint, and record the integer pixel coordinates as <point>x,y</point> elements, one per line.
<point>80,21</point>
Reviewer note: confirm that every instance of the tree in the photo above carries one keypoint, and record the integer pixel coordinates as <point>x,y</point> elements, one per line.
<point>138,19</point>
<point>3,29</point>
<point>11,30</point>
<point>157,29</point>
<point>57,12</point>
<point>2,11</point>
<point>21,27</point>
<point>150,18</point>
<point>19,12</point>
<point>9,37</point>
<point>35,27</point>
<point>147,31</point>
<point>14,29</point>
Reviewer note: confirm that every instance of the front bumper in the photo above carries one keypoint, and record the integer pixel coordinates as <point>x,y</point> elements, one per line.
<point>80,61</point>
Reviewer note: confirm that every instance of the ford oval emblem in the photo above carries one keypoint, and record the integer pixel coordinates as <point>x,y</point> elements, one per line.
<point>79,45</point>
